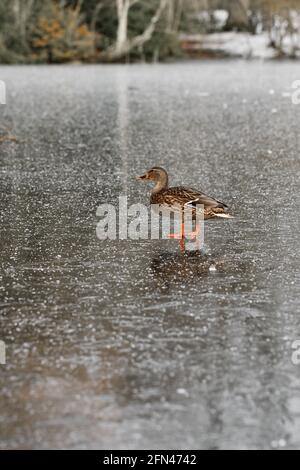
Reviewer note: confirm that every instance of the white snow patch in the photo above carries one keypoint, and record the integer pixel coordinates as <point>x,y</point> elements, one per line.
<point>236,44</point>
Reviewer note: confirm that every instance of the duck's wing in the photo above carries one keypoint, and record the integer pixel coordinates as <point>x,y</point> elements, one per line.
<point>191,197</point>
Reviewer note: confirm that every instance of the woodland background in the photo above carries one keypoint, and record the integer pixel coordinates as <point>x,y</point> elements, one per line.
<point>49,31</point>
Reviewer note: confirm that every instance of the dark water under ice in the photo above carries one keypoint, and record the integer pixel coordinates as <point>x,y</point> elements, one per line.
<point>131,344</point>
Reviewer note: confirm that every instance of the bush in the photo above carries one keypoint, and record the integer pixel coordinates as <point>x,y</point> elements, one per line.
<point>62,36</point>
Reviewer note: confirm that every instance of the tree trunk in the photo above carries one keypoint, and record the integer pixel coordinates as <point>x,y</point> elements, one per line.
<point>123,10</point>
<point>170,15</point>
<point>238,15</point>
<point>174,12</point>
<point>94,19</point>
<point>178,15</point>
<point>124,45</point>
<point>22,11</point>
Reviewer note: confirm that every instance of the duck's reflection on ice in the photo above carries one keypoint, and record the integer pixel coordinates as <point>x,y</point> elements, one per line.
<point>187,265</point>
<point>169,268</point>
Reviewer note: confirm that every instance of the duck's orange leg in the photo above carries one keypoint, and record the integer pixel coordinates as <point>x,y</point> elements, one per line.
<point>182,245</point>
<point>178,236</point>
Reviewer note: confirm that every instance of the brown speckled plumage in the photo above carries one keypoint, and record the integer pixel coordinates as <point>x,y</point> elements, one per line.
<point>182,198</point>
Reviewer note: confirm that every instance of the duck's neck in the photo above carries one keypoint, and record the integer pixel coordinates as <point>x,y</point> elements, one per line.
<point>161,184</point>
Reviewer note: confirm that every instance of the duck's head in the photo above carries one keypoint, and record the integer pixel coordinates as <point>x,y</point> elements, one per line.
<point>158,175</point>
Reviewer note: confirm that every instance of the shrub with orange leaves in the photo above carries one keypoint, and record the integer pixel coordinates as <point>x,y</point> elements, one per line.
<point>62,36</point>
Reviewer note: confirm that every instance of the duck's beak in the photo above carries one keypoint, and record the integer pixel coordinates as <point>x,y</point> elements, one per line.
<point>143,177</point>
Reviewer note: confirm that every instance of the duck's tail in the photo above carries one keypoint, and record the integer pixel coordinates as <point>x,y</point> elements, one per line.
<point>224,215</point>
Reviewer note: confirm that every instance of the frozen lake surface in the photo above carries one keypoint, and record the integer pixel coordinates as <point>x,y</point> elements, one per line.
<point>131,344</point>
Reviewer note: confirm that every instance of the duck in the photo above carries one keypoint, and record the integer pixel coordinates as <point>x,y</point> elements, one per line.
<point>181,198</point>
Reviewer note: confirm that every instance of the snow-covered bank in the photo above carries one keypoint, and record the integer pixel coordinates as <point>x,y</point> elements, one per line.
<point>235,44</point>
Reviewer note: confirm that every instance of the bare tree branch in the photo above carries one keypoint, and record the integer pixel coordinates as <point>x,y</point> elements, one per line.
<point>124,45</point>
<point>138,41</point>
<point>96,12</point>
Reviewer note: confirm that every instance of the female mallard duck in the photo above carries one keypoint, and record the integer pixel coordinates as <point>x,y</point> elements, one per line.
<point>181,198</point>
